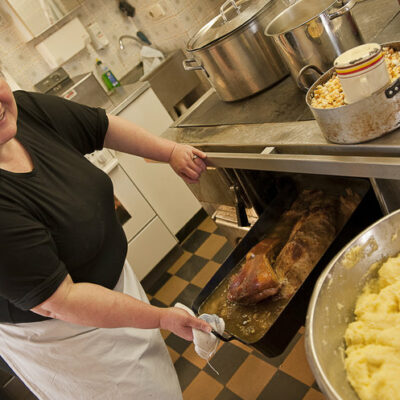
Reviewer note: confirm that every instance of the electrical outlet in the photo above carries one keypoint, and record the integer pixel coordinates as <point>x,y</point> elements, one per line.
<point>156,11</point>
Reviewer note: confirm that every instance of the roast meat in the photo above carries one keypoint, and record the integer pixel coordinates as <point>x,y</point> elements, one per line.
<point>285,258</point>
<point>256,279</point>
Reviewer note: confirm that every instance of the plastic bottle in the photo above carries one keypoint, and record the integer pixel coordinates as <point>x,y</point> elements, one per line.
<point>107,76</point>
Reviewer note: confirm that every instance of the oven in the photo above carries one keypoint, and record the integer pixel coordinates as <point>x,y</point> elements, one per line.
<point>251,212</point>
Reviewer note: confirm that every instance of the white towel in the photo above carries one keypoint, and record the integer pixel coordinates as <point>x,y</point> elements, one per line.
<point>205,344</point>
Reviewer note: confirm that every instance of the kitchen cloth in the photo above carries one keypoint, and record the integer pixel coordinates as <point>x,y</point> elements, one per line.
<point>150,58</point>
<point>205,344</point>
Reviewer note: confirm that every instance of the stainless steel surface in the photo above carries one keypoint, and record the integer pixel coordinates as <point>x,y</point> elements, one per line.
<point>314,32</point>
<point>170,82</point>
<point>54,82</point>
<point>133,75</point>
<point>387,192</point>
<point>134,38</point>
<point>124,95</point>
<point>87,90</point>
<point>282,102</point>
<point>333,300</point>
<point>242,61</point>
<point>363,120</point>
<point>363,167</point>
<point>233,14</point>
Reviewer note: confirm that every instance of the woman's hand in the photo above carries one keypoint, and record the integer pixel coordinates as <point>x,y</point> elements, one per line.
<point>180,322</point>
<point>187,162</point>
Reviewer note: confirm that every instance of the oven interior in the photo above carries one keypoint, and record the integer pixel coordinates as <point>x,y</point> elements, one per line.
<point>267,195</point>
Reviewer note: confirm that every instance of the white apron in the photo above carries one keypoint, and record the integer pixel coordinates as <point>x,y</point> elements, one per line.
<point>58,360</point>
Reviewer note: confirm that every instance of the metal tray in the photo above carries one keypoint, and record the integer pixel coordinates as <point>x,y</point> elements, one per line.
<point>363,120</point>
<point>286,317</point>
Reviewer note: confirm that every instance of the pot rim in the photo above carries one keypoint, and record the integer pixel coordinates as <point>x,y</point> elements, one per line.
<point>208,25</point>
<point>297,26</point>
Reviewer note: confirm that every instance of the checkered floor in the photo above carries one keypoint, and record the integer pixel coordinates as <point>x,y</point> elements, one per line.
<point>244,373</point>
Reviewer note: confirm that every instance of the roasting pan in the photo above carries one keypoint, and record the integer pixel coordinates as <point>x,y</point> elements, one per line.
<point>286,318</point>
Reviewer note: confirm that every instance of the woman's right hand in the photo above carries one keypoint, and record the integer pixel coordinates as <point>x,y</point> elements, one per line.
<point>180,322</point>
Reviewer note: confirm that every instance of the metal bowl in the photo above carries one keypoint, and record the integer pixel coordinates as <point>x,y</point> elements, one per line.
<point>363,120</point>
<point>332,304</point>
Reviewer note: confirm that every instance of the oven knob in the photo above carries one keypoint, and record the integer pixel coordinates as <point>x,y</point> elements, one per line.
<point>101,158</point>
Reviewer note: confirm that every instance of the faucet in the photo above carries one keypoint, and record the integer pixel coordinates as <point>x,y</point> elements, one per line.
<point>121,45</point>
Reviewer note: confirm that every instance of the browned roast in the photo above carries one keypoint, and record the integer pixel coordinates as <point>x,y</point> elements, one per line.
<point>307,228</point>
<point>256,279</point>
<point>308,241</point>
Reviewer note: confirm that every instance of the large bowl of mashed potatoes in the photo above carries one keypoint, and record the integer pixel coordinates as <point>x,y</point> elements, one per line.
<point>353,319</point>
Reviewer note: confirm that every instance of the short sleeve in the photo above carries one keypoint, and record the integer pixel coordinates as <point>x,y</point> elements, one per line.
<point>82,126</point>
<point>30,269</point>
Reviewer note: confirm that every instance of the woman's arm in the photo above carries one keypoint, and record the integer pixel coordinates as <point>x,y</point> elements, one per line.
<point>88,304</point>
<point>125,136</point>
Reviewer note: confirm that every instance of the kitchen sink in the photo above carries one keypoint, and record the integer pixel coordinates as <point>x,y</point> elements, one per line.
<point>169,81</point>
<point>133,75</point>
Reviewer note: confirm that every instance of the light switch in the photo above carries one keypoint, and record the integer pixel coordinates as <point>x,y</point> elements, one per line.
<point>156,11</point>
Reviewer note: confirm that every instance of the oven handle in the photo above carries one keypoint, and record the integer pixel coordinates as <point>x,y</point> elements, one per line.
<point>352,166</point>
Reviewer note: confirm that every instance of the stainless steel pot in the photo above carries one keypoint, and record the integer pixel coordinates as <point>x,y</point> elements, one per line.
<point>311,33</point>
<point>233,52</point>
<point>363,120</point>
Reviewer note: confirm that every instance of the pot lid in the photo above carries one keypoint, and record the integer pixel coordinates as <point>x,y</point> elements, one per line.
<point>233,14</point>
<point>357,55</point>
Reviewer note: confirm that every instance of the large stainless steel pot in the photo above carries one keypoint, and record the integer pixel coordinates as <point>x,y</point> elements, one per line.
<point>363,120</point>
<point>233,52</point>
<point>332,304</point>
<point>311,33</point>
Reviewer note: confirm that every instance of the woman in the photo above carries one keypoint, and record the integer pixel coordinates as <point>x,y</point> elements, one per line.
<point>64,280</point>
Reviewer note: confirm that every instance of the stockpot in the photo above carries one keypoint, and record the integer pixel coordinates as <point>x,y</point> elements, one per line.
<point>363,120</point>
<point>310,34</point>
<point>233,52</point>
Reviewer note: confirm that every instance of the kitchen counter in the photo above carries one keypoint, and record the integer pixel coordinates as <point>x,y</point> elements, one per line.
<point>279,117</point>
<point>124,95</point>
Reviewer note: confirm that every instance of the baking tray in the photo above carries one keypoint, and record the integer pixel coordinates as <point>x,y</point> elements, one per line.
<point>286,317</point>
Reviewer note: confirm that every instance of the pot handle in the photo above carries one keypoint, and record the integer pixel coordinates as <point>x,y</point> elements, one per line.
<point>188,67</point>
<point>349,5</point>
<point>301,73</point>
<point>226,4</point>
<point>393,89</point>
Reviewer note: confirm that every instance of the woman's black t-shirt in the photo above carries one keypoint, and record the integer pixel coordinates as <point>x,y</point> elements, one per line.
<point>59,218</point>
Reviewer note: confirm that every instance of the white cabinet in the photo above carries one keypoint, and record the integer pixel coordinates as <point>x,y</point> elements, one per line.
<point>134,203</point>
<point>167,194</point>
<point>149,247</point>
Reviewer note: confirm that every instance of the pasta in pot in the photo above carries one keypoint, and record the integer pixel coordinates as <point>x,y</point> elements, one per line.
<point>330,94</point>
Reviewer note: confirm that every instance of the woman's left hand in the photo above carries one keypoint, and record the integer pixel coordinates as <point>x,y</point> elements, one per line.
<point>187,162</point>
<point>181,323</point>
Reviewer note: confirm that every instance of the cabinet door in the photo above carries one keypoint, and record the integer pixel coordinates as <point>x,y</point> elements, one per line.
<point>131,206</point>
<point>164,190</point>
<point>149,247</point>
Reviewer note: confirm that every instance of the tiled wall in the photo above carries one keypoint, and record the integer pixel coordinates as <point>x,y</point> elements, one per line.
<point>182,19</point>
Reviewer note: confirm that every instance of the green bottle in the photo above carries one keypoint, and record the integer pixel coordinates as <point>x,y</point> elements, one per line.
<point>107,76</point>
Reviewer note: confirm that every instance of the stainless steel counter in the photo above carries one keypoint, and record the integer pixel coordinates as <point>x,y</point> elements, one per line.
<point>284,102</point>
<point>124,95</point>
<point>277,118</point>
<point>272,131</point>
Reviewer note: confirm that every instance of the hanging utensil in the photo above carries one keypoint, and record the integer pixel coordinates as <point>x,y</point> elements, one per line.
<point>129,11</point>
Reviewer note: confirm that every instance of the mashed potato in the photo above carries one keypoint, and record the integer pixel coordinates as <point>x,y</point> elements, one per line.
<point>373,340</point>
